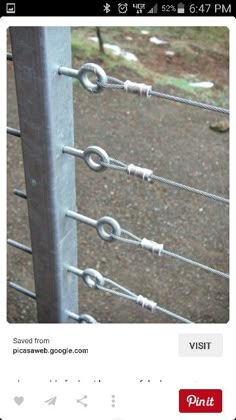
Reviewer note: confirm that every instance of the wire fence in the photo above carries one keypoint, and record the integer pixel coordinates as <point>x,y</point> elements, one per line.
<point>105,162</point>
<point>106,82</point>
<point>98,160</point>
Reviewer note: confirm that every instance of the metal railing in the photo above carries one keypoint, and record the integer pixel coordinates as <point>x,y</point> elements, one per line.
<point>47,137</point>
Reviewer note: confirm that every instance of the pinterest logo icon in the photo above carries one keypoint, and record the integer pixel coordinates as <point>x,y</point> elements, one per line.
<point>200,401</point>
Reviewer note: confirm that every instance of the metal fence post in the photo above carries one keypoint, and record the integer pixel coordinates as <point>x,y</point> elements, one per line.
<point>46,122</point>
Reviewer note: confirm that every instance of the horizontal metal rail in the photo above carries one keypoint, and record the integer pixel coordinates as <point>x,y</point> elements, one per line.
<point>141,89</point>
<point>20,193</point>
<point>9,56</point>
<point>20,246</point>
<point>116,234</point>
<point>22,290</point>
<point>104,161</point>
<point>13,132</point>
<point>81,319</point>
<point>95,280</point>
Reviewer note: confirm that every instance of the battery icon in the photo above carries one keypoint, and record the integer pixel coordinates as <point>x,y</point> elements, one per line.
<point>180,8</point>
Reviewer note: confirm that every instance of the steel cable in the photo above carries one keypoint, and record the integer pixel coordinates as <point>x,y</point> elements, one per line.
<point>146,244</point>
<point>107,82</point>
<point>116,84</point>
<point>95,280</point>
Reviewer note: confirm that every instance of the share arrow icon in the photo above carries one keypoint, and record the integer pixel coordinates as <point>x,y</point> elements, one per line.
<point>51,401</point>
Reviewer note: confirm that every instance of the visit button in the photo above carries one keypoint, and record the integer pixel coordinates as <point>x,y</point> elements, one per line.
<point>200,345</point>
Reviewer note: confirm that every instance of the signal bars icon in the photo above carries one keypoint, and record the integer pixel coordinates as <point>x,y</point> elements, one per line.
<point>153,10</point>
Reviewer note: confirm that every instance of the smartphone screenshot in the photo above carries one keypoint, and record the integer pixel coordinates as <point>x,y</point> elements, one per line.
<point>117,299</point>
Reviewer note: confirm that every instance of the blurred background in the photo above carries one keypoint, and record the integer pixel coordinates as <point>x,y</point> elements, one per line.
<point>179,142</point>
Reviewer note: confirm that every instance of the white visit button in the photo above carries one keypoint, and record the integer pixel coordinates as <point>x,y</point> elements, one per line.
<point>200,345</point>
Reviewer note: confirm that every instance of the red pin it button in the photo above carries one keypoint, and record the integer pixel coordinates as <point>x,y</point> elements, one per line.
<point>200,401</point>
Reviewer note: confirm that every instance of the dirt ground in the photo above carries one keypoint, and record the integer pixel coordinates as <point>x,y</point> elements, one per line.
<point>175,141</point>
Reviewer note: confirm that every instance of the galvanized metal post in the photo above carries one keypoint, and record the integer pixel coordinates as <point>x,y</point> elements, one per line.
<point>46,123</point>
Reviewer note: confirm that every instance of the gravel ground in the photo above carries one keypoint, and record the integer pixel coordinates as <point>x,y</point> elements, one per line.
<point>175,141</point>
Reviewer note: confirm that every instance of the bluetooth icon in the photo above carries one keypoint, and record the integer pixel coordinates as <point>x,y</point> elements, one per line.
<point>107,8</point>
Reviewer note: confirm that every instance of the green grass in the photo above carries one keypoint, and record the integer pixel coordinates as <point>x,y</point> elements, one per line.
<point>187,42</point>
<point>218,98</point>
<point>211,37</point>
